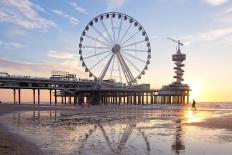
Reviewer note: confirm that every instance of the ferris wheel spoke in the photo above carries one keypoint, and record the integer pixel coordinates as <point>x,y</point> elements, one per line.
<point>100,53</point>
<point>99,61</point>
<point>95,39</point>
<point>112,25</point>
<point>134,50</point>
<point>126,69</point>
<point>95,47</point>
<point>112,137</point>
<point>106,31</point>
<point>112,68</point>
<point>132,64</point>
<point>123,69</point>
<point>130,38</point>
<point>135,57</point>
<point>106,137</point>
<point>95,29</point>
<point>139,42</point>
<point>125,33</point>
<point>103,73</point>
<point>120,27</point>
<point>119,70</point>
<point>125,136</point>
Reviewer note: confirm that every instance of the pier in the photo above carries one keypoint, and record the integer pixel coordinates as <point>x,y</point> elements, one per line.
<point>81,91</point>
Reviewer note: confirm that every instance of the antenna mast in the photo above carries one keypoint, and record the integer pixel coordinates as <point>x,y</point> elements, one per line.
<point>178,42</point>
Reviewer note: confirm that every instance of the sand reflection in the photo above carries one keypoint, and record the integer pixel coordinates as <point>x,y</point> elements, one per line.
<point>191,116</point>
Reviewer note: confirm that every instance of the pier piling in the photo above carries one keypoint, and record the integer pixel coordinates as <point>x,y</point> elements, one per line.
<point>19,95</point>
<point>33,96</point>
<point>50,96</point>
<point>55,97</point>
<point>14,93</point>
<point>38,96</point>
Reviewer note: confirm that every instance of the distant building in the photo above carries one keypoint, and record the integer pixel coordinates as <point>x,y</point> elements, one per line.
<point>60,75</point>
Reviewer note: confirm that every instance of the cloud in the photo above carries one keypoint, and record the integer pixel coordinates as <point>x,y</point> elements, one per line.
<point>114,4</point>
<point>216,2</point>
<point>39,8</point>
<point>78,8</point>
<point>17,67</point>
<point>24,13</point>
<point>215,34</point>
<point>15,32</point>
<point>40,69</point>
<point>71,19</point>
<point>10,45</point>
<point>60,55</point>
<point>227,11</point>
<point>224,17</point>
<point>212,35</point>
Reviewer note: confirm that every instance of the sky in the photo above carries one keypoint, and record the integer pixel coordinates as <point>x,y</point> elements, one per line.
<point>37,37</point>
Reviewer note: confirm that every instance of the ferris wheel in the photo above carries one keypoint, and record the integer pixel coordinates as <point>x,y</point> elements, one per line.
<point>114,46</point>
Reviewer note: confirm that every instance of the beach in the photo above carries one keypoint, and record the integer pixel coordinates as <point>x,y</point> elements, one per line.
<point>13,144</point>
<point>18,139</point>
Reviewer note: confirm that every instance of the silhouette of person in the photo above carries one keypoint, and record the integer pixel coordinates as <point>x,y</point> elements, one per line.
<point>194,105</point>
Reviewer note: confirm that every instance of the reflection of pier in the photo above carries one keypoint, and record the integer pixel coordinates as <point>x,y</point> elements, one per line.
<point>79,91</point>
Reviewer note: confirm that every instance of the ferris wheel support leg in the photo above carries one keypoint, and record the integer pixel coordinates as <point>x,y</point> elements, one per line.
<point>106,68</point>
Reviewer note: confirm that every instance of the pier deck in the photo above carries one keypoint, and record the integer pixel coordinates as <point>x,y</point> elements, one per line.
<point>80,91</point>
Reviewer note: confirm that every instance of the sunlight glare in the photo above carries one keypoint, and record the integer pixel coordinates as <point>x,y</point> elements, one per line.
<point>196,88</point>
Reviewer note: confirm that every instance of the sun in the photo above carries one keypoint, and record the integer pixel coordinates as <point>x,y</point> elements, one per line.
<point>196,88</point>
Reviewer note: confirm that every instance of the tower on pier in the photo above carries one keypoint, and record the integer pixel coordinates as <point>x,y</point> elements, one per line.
<point>177,92</point>
<point>178,58</point>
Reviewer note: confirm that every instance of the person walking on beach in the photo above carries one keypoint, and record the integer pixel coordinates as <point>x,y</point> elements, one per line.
<point>194,105</point>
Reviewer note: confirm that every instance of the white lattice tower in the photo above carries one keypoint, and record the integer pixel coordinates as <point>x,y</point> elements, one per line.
<point>178,58</point>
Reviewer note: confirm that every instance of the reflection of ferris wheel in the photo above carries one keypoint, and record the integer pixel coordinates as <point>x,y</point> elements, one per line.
<point>118,141</point>
<point>115,46</point>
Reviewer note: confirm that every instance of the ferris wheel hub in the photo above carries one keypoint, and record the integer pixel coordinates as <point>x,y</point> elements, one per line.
<point>116,48</point>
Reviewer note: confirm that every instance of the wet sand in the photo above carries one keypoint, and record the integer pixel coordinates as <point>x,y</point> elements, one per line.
<point>17,145</point>
<point>223,122</point>
<point>13,144</point>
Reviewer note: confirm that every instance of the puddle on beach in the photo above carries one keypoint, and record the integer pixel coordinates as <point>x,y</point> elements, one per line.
<point>140,132</point>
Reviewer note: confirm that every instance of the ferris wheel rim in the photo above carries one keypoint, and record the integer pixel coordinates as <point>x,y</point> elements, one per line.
<point>123,17</point>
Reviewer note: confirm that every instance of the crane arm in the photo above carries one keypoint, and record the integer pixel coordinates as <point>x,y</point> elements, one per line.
<point>177,41</point>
